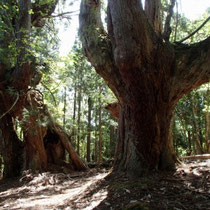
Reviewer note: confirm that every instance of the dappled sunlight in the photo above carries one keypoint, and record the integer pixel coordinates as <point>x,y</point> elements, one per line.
<point>47,191</point>
<point>187,188</point>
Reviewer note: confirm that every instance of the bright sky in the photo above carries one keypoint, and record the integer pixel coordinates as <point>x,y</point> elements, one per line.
<point>192,9</point>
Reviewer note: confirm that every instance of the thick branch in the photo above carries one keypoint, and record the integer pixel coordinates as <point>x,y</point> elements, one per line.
<point>133,39</point>
<point>193,68</point>
<point>96,43</point>
<point>152,10</point>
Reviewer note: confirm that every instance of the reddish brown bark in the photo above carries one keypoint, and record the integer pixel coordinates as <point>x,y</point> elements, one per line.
<point>148,77</point>
<point>152,10</point>
<point>45,141</point>
<point>14,81</point>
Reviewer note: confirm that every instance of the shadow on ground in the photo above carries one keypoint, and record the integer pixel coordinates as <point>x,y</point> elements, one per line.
<point>187,188</point>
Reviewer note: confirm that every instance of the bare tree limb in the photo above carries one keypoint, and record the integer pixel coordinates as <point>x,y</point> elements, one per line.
<point>64,14</point>
<point>201,26</point>
<point>96,43</point>
<point>167,28</point>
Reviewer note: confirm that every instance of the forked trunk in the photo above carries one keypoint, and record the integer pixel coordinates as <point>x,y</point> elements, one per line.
<point>147,75</point>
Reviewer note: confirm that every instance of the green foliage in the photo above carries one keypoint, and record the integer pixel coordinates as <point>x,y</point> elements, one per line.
<point>190,121</point>
<point>74,74</point>
<point>182,27</point>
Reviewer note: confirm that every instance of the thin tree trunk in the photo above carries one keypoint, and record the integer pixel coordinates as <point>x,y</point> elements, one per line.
<point>89,128</point>
<point>96,138</point>
<point>74,114</point>
<point>64,109</point>
<point>207,135</point>
<point>100,131</point>
<point>111,141</point>
<point>189,143</point>
<point>78,119</point>
<point>207,122</point>
<point>196,132</point>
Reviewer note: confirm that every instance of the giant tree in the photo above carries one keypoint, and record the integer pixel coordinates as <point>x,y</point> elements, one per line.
<point>18,76</point>
<point>146,72</point>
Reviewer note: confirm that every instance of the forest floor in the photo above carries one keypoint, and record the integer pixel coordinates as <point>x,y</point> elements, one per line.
<point>187,188</point>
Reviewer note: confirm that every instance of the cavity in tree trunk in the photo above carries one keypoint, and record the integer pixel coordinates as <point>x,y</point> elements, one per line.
<point>45,140</point>
<point>16,78</point>
<point>147,75</point>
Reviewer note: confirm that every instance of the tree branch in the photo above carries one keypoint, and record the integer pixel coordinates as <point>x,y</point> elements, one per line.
<point>167,27</point>
<point>152,10</point>
<point>132,38</point>
<point>96,43</point>
<point>192,64</point>
<point>201,26</point>
<point>64,14</point>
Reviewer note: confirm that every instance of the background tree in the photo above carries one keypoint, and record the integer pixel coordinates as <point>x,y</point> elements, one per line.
<point>21,63</point>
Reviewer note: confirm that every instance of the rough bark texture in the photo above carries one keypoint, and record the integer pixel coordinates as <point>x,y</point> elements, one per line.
<point>147,75</point>
<point>14,80</point>
<point>152,10</point>
<point>45,140</point>
<point>35,129</point>
<point>11,148</point>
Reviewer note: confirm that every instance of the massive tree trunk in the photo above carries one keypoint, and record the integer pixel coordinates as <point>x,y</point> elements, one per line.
<point>147,75</point>
<point>16,71</point>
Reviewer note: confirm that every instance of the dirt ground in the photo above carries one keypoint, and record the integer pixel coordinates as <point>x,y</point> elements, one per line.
<point>187,188</point>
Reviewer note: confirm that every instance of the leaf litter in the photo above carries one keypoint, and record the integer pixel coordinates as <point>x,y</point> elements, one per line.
<point>186,188</point>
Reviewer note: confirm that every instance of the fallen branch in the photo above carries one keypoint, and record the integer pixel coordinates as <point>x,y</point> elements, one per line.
<point>196,157</point>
